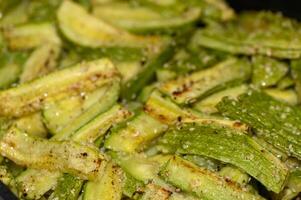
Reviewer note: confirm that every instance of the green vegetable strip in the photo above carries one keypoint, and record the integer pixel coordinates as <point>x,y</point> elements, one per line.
<point>267,71</point>
<point>135,85</point>
<point>42,61</point>
<point>92,130</point>
<point>29,97</point>
<point>29,36</point>
<point>64,156</point>
<point>109,187</point>
<point>137,133</point>
<point>202,182</point>
<point>293,186</point>
<point>230,146</point>
<point>97,33</point>
<point>68,188</point>
<point>188,89</point>
<point>97,108</point>
<point>254,33</point>
<point>276,122</point>
<point>169,113</point>
<point>143,19</point>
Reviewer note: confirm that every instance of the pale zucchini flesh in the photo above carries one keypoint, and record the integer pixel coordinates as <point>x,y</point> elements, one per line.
<point>185,90</point>
<point>201,182</point>
<point>30,97</point>
<point>108,188</point>
<point>42,61</point>
<point>29,36</point>
<point>97,33</point>
<point>65,156</point>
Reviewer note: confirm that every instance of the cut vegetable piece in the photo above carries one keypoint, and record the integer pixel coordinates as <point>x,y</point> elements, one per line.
<point>155,192</point>
<point>34,188</point>
<point>100,124</point>
<point>16,15</point>
<point>169,113</point>
<point>288,96</point>
<point>144,19</point>
<point>293,187</point>
<point>205,162</point>
<point>207,105</point>
<point>185,90</point>
<point>30,35</point>
<point>254,33</point>
<point>143,168</point>
<point>276,122</point>
<point>9,74</point>
<point>131,185</point>
<point>201,182</point>
<point>94,129</point>
<point>65,156</point>
<point>10,65</point>
<point>59,113</point>
<point>285,83</point>
<point>42,61</point>
<point>99,107</point>
<point>28,98</point>
<point>296,74</point>
<point>32,125</point>
<point>230,146</point>
<point>109,187</point>
<point>96,33</point>
<point>234,174</point>
<point>137,133</point>
<point>128,69</point>
<point>267,71</point>
<point>7,178</point>
<point>68,188</point>
<point>157,60</point>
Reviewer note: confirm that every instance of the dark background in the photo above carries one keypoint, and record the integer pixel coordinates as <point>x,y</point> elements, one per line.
<point>290,8</point>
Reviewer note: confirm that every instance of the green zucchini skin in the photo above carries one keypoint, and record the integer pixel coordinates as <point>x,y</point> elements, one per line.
<point>274,121</point>
<point>186,90</point>
<point>253,34</point>
<point>207,105</point>
<point>67,188</point>
<point>30,97</point>
<point>267,71</point>
<point>11,66</point>
<point>66,156</point>
<point>293,186</point>
<point>134,86</point>
<point>237,148</point>
<point>108,188</point>
<point>201,182</point>
<point>296,75</point>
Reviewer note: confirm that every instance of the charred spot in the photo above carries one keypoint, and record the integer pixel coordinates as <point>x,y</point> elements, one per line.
<point>85,154</point>
<point>184,88</point>
<point>237,124</point>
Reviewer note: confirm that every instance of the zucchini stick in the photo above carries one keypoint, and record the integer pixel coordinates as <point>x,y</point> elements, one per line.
<point>230,146</point>
<point>201,182</point>
<point>30,97</point>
